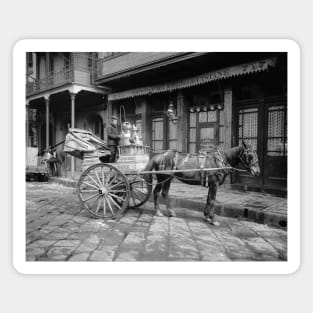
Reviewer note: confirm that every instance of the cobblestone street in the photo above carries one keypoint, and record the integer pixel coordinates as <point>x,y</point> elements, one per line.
<point>58,230</point>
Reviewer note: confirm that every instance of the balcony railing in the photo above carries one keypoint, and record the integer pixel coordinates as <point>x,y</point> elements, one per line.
<point>80,71</point>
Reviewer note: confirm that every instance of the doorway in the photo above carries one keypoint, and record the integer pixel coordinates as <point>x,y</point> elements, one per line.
<point>203,130</point>
<point>263,124</point>
<point>164,134</point>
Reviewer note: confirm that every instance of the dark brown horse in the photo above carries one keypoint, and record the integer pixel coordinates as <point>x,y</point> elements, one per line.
<point>173,160</point>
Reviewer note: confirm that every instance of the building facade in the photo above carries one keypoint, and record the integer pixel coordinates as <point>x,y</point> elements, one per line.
<point>218,99</point>
<point>60,93</point>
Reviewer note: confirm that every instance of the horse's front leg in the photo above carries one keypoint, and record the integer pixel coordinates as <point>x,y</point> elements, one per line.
<point>210,205</point>
<point>166,196</point>
<point>156,194</point>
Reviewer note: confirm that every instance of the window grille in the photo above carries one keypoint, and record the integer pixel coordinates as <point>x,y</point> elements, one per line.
<point>277,131</point>
<point>248,126</point>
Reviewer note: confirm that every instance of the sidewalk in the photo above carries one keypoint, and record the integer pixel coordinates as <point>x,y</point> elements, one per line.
<point>246,205</point>
<point>259,207</point>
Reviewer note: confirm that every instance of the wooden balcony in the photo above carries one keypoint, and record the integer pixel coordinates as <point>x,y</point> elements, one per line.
<point>79,71</point>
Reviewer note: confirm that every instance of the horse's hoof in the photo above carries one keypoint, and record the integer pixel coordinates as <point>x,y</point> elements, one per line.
<point>215,223</point>
<point>159,214</point>
<point>208,219</point>
<point>172,213</point>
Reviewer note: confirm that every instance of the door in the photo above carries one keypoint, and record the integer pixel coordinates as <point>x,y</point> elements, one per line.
<point>207,138</point>
<point>203,130</point>
<point>164,134</point>
<point>248,131</point>
<point>275,146</point>
<point>158,134</point>
<point>264,126</point>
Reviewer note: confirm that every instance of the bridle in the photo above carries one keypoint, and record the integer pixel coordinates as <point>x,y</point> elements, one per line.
<point>244,158</point>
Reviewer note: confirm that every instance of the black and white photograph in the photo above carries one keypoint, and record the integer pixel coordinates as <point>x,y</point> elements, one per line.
<point>167,157</point>
<point>156,156</point>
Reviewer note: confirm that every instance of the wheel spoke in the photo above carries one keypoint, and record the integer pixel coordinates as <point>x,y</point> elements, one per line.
<point>118,184</point>
<point>98,206</point>
<point>102,174</point>
<point>132,195</point>
<point>108,177</point>
<point>118,190</point>
<point>137,195</point>
<point>96,195</point>
<point>87,190</point>
<point>100,183</point>
<point>113,182</point>
<point>104,207</point>
<point>91,206</point>
<point>91,185</point>
<point>143,193</point>
<point>115,202</point>
<point>110,207</point>
<point>117,197</point>
<point>93,180</point>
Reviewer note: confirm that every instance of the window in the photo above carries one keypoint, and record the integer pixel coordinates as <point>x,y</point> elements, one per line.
<point>157,134</point>
<point>277,131</point>
<point>248,126</point>
<point>172,135</point>
<point>192,132</point>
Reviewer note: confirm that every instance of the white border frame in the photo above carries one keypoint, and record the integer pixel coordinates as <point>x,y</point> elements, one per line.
<point>156,45</point>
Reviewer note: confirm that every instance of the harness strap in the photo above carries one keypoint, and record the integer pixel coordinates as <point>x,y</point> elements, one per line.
<point>175,160</point>
<point>186,158</point>
<point>201,159</point>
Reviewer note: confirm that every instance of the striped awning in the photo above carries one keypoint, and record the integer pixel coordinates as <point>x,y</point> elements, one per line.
<point>224,73</point>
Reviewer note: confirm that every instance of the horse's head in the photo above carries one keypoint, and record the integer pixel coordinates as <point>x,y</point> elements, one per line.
<point>249,159</point>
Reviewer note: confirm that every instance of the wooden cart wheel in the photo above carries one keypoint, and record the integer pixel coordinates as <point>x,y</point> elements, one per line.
<point>103,191</point>
<point>140,190</point>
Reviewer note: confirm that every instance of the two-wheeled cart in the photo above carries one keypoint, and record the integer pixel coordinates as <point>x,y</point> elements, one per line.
<point>105,189</point>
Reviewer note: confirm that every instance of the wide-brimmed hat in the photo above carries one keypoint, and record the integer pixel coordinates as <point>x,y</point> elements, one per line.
<point>114,117</point>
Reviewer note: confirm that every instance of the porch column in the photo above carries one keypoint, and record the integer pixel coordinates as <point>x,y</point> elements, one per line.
<point>145,123</point>
<point>228,140</point>
<point>182,122</point>
<point>108,115</point>
<point>228,103</point>
<point>27,124</point>
<point>47,122</point>
<point>73,96</point>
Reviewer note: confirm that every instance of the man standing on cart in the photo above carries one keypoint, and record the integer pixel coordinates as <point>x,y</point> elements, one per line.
<point>113,138</point>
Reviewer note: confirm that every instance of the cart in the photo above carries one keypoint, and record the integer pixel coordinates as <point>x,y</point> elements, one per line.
<point>105,189</point>
<point>36,166</point>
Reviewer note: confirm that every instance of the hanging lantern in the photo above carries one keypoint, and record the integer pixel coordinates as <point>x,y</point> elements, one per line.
<point>220,106</point>
<point>212,107</point>
<point>171,112</point>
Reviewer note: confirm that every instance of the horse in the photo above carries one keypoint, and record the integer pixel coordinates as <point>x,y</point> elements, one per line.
<point>174,160</point>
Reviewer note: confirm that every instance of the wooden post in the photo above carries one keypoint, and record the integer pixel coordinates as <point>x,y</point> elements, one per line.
<point>228,107</point>
<point>47,123</point>
<point>228,103</point>
<point>27,124</point>
<point>73,96</point>
<point>182,122</point>
<point>145,123</point>
<point>108,115</point>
